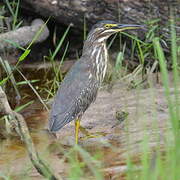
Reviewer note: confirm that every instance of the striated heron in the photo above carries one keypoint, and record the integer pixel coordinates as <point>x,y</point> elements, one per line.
<point>81,83</point>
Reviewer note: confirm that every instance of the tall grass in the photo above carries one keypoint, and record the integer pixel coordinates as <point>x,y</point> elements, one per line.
<point>13,8</point>
<point>165,165</point>
<point>56,69</point>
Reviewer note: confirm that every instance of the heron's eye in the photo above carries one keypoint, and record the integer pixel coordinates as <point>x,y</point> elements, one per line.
<point>109,25</point>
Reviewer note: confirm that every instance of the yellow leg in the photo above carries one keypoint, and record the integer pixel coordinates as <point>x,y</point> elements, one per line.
<point>77,125</point>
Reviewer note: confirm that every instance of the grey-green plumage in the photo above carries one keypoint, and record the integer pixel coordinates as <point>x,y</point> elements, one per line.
<point>80,85</point>
<point>74,96</point>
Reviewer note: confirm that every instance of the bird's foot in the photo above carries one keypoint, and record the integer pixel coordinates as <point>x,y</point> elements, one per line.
<point>90,135</point>
<point>95,135</point>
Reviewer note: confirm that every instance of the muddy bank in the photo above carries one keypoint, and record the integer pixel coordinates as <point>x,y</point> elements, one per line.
<point>147,120</point>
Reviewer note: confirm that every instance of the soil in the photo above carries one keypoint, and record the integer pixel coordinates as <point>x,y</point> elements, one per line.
<point>146,120</point>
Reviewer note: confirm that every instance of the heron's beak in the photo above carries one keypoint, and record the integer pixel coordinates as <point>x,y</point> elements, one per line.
<point>122,27</point>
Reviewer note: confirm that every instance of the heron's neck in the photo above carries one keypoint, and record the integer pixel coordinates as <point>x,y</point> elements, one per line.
<point>98,56</point>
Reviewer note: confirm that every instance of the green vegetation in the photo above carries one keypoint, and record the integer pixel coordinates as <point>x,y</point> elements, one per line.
<point>159,163</point>
<point>56,70</point>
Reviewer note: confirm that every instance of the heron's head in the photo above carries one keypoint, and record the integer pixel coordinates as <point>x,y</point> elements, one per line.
<point>103,29</point>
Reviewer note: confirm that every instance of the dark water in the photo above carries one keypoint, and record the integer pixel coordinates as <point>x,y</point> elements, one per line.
<point>36,116</point>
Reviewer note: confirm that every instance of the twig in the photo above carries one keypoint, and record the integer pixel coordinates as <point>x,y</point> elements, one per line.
<point>18,122</point>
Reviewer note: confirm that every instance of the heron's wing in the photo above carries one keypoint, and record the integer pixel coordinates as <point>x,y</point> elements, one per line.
<point>64,108</point>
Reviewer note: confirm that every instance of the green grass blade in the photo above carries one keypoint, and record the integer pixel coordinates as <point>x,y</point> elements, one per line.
<point>19,108</point>
<point>24,82</point>
<point>119,60</point>
<point>60,42</point>
<point>9,7</point>
<point>15,18</point>
<point>10,76</point>
<point>62,60</point>
<point>165,79</point>
<point>38,34</point>
<point>14,44</point>
<point>175,63</point>
<point>33,89</point>
<point>24,55</point>
<point>141,54</point>
<point>111,42</point>
<point>133,37</point>
<point>3,81</point>
<point>89,161</point>
<point>4,176</point>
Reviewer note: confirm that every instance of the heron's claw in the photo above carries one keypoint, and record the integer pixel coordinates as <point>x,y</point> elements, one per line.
<point>90,135</point>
